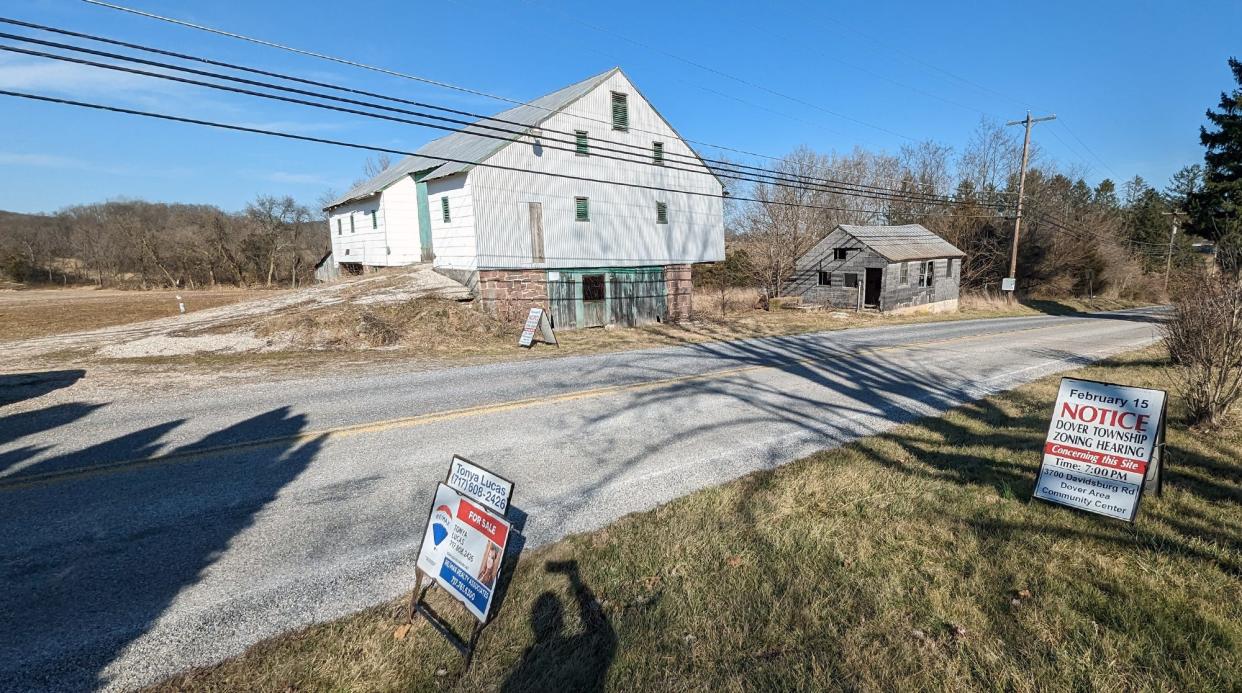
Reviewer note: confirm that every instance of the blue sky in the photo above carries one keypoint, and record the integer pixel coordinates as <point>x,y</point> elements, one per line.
<point>1129,81</point>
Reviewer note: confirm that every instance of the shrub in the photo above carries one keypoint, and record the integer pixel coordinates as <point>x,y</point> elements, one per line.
<point>1204,337</point>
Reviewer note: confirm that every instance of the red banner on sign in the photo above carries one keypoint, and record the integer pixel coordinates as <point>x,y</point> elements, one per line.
<point>487,524</point>
<point>1125,464</point>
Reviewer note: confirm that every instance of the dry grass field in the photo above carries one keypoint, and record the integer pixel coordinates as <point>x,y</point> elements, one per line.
<point>43,312</point>
<point>911,560</point>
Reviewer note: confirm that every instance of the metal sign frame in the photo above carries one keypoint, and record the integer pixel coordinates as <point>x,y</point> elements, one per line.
<point>418,605</point>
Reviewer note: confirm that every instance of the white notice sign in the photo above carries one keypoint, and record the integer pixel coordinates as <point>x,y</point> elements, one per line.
<point>1099,447</point>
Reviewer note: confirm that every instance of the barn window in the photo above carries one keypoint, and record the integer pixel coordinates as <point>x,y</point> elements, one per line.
<point>351,222</point>
<point>593,287</point>
<point>927,273</point>
<point>347,251</point>
<point>444,209</point>
<point>661,212</point>
<point>825,278</point>
<point>582,209</point>
<point>905,273</point>
<point>840,253</point>
<point>657,153</point>
<point>851,280</point>
<point>375,218</point>
<point>620,112</point>
<point>582,145</point>
<point>338,226</point>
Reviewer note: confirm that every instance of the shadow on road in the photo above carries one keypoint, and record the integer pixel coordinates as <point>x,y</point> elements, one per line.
<point>89,564</point>
<point>22,386</point>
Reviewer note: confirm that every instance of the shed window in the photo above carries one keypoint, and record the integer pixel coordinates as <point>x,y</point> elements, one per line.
<point>582,144</point>
<point>620,112</point>
<point>905,273</point>
<point>661,212</point>
<point>840,253</point>
<point>657,153</point>
<point>444,209</point>
<point>927,273</point>
<point>948,267</point>
<point>825,278</point>
<point>375,218</point>
<point>582,209</point>
<point>851,280</point>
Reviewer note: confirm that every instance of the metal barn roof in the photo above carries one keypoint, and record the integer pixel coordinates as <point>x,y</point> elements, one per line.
<point>901,243</point>
<point>466,145</point>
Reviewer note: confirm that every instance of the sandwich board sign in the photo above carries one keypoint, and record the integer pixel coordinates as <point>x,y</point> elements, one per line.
<point>463,548</point>
<point>537,320</point>
<point>1101,447</point>
<point>464,545</point>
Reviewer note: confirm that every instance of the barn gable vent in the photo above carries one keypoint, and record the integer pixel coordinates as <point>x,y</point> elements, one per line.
<point>582,209</point>
<point>620,111</point>
<point>582,145</point>
<point>657,153</point>
<point>444,209</point>
<point>661,212</point>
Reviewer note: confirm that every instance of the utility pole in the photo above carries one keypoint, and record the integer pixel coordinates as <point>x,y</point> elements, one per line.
<point>1017,221</point>
<point>1168,261</point>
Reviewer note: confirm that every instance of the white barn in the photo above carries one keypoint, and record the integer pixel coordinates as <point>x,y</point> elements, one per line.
<point>600,240</point>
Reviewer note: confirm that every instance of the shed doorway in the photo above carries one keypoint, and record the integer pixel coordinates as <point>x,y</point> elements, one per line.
<point>871,290</point>
<point>594,301</point>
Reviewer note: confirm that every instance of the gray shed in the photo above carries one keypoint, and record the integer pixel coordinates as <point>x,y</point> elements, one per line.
<point>888,268</point>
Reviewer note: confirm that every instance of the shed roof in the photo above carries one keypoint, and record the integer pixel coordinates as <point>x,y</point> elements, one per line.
<point>474,142</point>
<point>901,243</point>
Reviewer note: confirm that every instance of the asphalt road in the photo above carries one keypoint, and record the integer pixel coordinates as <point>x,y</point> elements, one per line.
<point>141,537</point>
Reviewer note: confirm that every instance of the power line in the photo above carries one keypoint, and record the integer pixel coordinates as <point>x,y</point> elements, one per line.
<point>696,159</point>
<point>389,150</point>
<point>386,71</point>
<point>777,180</point>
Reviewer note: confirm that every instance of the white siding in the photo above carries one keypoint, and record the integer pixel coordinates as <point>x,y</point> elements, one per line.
<point>623,229</point>
<point>454,242</point>
<point>364,244</point>
<point>400,206</point>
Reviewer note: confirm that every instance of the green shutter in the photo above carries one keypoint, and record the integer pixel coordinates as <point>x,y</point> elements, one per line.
<point>620,112</point>
<point>375,218</point>
<point>582,209</point>
<point>657,153</point>
<point>583,145</point>
<point>444,208</point>
<point>661,212</point>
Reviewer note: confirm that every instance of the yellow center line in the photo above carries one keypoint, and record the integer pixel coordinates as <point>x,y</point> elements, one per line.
<point>29,480</point>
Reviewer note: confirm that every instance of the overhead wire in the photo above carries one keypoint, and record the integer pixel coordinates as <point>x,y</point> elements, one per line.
<point>694,157</point>
<point>777,180</point>
<point>392,150</point>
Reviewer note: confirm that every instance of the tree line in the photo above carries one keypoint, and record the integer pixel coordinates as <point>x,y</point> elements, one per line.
<point>1076,239</point>
<point>137,244</point>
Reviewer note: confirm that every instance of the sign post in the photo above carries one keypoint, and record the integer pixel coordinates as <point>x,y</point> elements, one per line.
<point>463,547</point>
<point>537,320</point>
<point>1100,453</point>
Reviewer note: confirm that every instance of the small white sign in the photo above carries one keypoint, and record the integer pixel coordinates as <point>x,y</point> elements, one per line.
<point>1008,284</point>
<point>473,481</point>
<point>463,548</point>
<point>1099,447</point>
<point>537,320</point>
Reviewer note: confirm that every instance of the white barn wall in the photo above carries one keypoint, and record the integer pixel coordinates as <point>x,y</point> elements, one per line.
<point>364,245</point>
<point>400,214</point>
<point>454,242</point>
<point>623,229</point>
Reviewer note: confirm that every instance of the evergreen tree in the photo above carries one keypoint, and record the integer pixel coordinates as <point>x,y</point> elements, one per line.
<point>1217,207</point>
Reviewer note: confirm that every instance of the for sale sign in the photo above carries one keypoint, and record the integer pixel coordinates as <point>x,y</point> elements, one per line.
<point>462,549</point>
<point>1100,446</point>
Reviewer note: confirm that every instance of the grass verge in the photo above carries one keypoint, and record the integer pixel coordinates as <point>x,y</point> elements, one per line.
<point>911,560</point>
